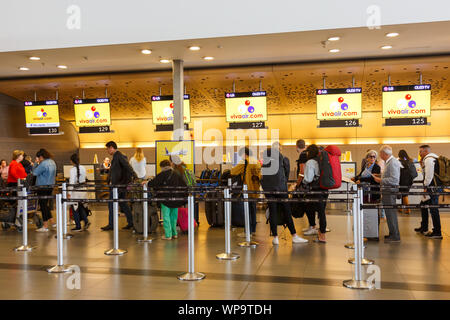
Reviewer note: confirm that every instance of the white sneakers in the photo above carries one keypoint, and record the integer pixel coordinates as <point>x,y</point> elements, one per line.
<point>42,229</point>
<point>297,239</point>
<point>310,231</point>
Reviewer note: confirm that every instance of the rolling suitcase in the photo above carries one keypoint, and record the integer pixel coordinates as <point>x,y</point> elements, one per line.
<point>183,219</point>
<point>138,218</point>
<point>370,224</point>
<point>237,214</point>
<point>214,211</point>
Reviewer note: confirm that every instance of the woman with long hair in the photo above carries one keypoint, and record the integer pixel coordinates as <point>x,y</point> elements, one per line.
<point>407,175</point>
<point>77,180</point>
<point>138,163</point>
<point>45,171</point>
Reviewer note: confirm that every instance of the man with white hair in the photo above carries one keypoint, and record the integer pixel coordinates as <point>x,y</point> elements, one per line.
<point>390,179</point>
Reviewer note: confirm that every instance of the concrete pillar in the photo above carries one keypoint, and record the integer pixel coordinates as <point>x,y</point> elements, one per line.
<point>178,99</point>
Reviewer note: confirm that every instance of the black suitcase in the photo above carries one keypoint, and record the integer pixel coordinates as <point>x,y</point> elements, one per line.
<point>214,211</point>
<point>138,218</point>
<point>237,214</point>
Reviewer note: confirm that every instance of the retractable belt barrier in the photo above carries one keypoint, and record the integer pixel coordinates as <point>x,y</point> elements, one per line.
<point>354,196</point>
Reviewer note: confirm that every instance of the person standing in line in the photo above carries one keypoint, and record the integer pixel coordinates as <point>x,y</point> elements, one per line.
<point>164,180</point>
<point>4,171</point>
<point>27,164</point>
<point>250,171</point>
<point>389,181</point>
<point>311,182</point>
<point>407,175</point>
<point>45,171</point>
<point>301,162</point>
<point>15,169</point>
<point>138,163</point>
<point>365,176</point>
<point>120,173</point>
<point>274,179</point>
<point>429,162</point>
<point>78,178</point>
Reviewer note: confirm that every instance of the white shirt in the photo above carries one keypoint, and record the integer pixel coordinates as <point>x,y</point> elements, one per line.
<point>311,171</point>
<point>74,177</point>
<point>428,168</point>
<point>139,167</point>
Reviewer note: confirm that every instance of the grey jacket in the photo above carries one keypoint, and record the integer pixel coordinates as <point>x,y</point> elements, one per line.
<point>391,173</point>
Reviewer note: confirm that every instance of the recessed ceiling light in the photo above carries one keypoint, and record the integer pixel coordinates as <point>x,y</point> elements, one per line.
<point>334,38</point>
<point>24,68</point>
<point>208,58</point>
<point>146,51</point>
<point>164,61</point>
<point>194,48</point>
<point>391,34</point>
<point>35,58</point>
<point>334,50</point>
<point>62,66</point>
<point>386,47</point>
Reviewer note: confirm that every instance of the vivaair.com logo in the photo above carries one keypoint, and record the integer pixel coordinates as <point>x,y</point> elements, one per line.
<point>41,113</point>
<point>406,102</point>
<point>407,105</point>
<point>92,113</point>
<point>245,111</point>
<point>338,109</point>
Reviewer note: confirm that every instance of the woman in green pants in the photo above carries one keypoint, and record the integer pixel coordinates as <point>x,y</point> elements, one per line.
<point>166,180</point>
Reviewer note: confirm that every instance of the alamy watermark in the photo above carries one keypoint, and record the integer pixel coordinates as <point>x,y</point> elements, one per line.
<point>74,280</point>
<point>74,19</point>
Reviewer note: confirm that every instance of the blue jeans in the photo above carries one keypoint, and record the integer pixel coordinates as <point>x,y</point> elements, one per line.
<point>78,215</point>
<point>123,205</point>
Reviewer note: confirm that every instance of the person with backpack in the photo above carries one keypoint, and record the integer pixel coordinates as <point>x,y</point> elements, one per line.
<point>189,179</point>
<point>408,173</point>
<point>78,178</point>
<point>274,179</point>
<point>120,173</point>
<point>163,181</point>
<point>430,165</point>
<point>311,182</point>
<point>249,172</point>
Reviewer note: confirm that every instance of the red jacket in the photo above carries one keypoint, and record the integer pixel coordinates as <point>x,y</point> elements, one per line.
<point>16,171</point>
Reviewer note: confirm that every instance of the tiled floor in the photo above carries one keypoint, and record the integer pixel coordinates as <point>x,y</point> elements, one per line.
<point>417,268</point>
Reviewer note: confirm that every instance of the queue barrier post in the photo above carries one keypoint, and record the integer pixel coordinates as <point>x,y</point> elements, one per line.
<point>358,282</point>
<point>145,237</point>
<point>115,251</point>
<point>191,275</point>
<point>349,213</point>
<point>364,261</point>
<point>66,235</point>
<point>60,267</point>
<point>23,205</point>
<point>248,243</point>
<point>227,255</point>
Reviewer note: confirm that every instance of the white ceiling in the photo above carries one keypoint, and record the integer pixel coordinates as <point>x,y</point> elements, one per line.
<point>356,43</point>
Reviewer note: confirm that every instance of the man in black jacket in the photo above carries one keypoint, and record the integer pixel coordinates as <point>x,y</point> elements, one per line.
<point>120,172</point>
